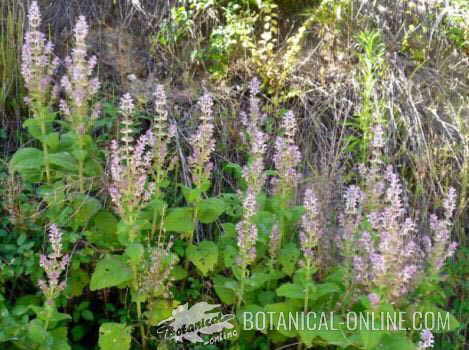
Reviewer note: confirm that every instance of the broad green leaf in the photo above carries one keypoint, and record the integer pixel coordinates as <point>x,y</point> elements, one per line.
<point>63,160</point>
<point>288,258</point>
<point>135,252</point>
<point>280,319</point>
<point>59,339</point>
<point>266,297</point>
<point>36,332</point>
<point>93,167</point>
<point>229,255</point>
<point>34,128</point>
<point>111,271</point>
<point>292,291</point>
<point>180,220</point>
<point>204,256</point>
<point>84,208</point>
<point>225,289</point>
<point>103,231</point>
<point>114,336</point>
<point>257,280</point>
<point>28,162</point>
<point>52,141</point>
<point>326,289</point>
<point>233,205</point>
<point>160,310</point>
<point>77,281</point>
<point>247,318</point>
<point>178,273</point>
<point>439,320</point>
<point>208,210</point>
<point>192,195</point>
<point>326,326</point>
<point>79,154</point>
<point>395,342</point>
<point>371,338</point>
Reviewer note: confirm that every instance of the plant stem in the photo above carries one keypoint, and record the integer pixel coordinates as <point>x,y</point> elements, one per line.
<point>306,301</point>
<point>46,152</point>
<point>142,327</point>
<point>241,287</point>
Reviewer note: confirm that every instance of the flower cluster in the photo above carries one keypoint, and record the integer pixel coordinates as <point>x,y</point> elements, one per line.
<point>54,265</point>
<point>157,277</point>
<point>247,229</point>
<point>426,340</point>
<point>393,257</point>
<point>351,217</point>
<point>163,135</point>
<point>274,241</point>
<point>254,175</point>
<point>38,61</point>
<point>286,158</point>
<point>130,166</point>
<point>203,144</point>
<point>441,248</point>
<point>389,256</point>
<point>78,83</point>
<point>311,226</point>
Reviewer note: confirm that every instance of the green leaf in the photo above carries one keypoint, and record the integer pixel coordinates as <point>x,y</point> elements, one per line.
<point>135,252</point>
<point>103,232</point>
<point>208,210</point>
<point>36,332</point>
<point>292,291</point>
<point>229,255</point>
<point>180,220</point>
<point>160,310</point>
<point>204,256</point>
<point>114,336</point>
<point>247,315</point>
<point>395,342</point>
<point>178,273</point>
<point>371,338</point>
<point>87,315</point>
<point>288,258</point>
<point>59,339</point>
<point>85,207</point>
<point>280,317</point>
<point>28,162</point>
<point>111,271</point>
<point>443,320</point>
<point>80,154</point>
<point>323,326</point>
<point>52,141</point>
<point>192,195</point>
<point>63,160</point>
<point>223,288</point>
<point>34,128</point>
<point>257,280</point>
<point>77,281</point>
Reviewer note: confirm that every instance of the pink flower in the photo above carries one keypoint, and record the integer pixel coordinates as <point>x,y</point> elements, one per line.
<point>54,265</point>
<point>203,144</point>
<point>287,158</point>
<point>311,225</point>
<point>426,340</point>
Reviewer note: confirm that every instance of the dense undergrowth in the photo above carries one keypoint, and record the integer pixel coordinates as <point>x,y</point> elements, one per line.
<point>272,157</point>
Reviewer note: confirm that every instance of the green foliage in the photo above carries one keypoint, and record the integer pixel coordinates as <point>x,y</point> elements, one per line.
<point>203,255</point>
<point>110,272</point>
<point>114,336</point>
<point>130,271</point>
